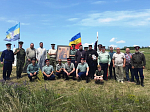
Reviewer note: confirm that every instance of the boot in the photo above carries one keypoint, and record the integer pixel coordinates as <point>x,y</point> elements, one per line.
<point>142,82</point>
<point>138,82</point>
<point>87,79</point>
<point>17,74</point>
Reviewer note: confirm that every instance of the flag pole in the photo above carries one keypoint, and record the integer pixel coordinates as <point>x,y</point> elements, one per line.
<point>19,35</point>
<point>97,40</point>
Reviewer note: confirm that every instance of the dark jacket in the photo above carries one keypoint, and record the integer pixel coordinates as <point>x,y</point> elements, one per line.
<point>138,60</point>
<point>79,54</point>
<point>8,56</point>
<point>89,56</point>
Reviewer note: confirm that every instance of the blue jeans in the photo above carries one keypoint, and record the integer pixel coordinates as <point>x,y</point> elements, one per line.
<point>140,70</point>
<point>127,72</point>
<point>52,77</point>
<point>82,74</point>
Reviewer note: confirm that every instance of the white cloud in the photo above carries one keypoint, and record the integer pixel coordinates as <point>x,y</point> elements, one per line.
<point>121,41</point>
<point>98,2</point>
<point>73,19</point>
<point>2,18</point>
<point>11,21</point>
<point>135,45</point>
<point>117,18</point>
<point>87,44</point>
<point>112,40</point>
<point>25,23</point>
<point>114,46</point>
<point>56,5</point>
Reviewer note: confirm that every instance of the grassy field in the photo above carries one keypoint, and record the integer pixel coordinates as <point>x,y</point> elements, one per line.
<point>70,96</point>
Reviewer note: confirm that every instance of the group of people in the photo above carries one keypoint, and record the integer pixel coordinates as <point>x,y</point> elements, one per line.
<point>81,64</point>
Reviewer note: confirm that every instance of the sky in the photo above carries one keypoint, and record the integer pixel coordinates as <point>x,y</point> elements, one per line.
<point>119,23</point>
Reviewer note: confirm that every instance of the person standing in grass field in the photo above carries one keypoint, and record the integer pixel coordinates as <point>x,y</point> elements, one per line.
<point>82,70</point>
<point>20,52</point>
<point>98,76</point>
<point>72,53</point>
<point>92,61</point>
<point>52,54</point>
<point>99,49</point>
<point>48,71</point>
<point>119,61</point>
<point>138,63</point>
<point>111,64</point>
<point>8,57</point>
<point>30,53</point>
<point>41,55</point>
<point>104,60</point>
<point>85,49</point>
<point>128,67</point>
<point>80,53</point>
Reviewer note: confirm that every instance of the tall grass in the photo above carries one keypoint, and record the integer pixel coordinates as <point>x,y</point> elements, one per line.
<point>21,98</point>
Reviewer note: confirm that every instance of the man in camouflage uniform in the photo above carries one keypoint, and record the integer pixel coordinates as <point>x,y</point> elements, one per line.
<point>20,52</point>
<point>138,63</point>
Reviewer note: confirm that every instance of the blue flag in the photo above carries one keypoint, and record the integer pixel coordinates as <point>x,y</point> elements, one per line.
<point>13,33</point>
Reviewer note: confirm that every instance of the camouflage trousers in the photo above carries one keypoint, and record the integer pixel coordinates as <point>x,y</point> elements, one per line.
<point>19,68</point>
<point>25,68</point>
<point>53,62</point>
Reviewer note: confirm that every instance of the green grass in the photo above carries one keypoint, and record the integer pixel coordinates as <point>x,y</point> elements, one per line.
<point>65,96</point>
<point>70,96</point>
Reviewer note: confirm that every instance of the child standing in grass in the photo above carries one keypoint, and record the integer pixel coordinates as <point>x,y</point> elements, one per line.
<point>98,76</point>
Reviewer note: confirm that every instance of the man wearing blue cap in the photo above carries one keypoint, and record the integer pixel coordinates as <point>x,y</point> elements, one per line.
<point>138,63</point>
<point>8,57</point>
<point>48,71</point>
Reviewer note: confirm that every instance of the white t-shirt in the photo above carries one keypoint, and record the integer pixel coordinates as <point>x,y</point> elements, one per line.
<point>118,58</point>
<point>52,51</point>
